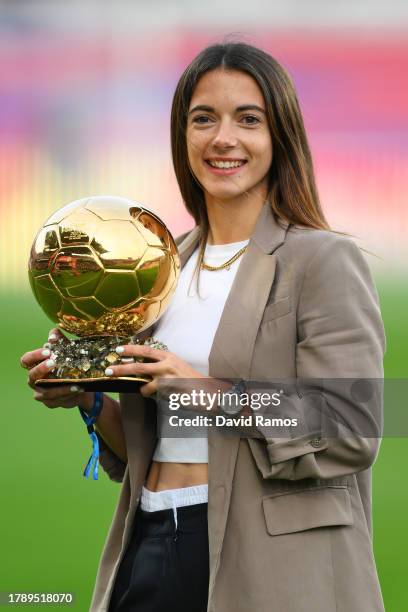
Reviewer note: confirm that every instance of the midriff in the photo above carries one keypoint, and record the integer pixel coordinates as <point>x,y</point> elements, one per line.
<point>168,475</point>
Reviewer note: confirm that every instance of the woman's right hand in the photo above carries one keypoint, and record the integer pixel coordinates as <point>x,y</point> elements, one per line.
<point>39,364</point>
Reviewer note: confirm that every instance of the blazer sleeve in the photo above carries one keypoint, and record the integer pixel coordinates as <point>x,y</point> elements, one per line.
<point>110,462</point>
<point>340,340</point>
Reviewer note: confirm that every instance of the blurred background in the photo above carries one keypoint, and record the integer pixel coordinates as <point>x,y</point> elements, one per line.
<point>85,96</point>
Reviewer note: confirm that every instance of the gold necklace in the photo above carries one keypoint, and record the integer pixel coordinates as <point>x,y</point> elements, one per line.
<point>227,264</point>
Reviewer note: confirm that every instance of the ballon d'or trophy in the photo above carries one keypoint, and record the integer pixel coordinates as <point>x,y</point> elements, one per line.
<point>104,269</point>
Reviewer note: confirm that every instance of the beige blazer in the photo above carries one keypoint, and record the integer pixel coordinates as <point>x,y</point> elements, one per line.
<point>289,519</point>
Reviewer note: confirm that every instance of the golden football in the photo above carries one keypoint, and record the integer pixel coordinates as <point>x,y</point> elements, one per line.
<point>104,266</point>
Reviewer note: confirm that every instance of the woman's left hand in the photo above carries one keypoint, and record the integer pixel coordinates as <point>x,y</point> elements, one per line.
<point>164,365</point>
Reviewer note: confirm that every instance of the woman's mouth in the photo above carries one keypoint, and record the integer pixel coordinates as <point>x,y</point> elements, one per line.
<point>223,167</point>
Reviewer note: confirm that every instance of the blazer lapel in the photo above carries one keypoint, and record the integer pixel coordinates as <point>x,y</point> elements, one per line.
<point>246,301</point>
<point>234,341</point>
<point>188,245</point>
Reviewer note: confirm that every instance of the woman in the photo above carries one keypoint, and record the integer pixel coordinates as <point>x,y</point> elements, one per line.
<point>278,296</point>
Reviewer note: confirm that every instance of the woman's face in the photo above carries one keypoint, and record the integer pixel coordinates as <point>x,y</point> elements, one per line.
<point>229,144</point>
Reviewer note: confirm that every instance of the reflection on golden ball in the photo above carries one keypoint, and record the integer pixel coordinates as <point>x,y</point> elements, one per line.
<point>104,265</point>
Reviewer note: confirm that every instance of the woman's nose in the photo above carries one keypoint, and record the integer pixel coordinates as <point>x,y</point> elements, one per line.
<point>225,136</point>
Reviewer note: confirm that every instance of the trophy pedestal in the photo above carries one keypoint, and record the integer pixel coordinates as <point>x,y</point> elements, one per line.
<point>120,384</point>
<point>83,363</point>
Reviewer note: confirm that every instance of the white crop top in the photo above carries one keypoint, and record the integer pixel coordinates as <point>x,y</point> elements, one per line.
<point>188,328</point>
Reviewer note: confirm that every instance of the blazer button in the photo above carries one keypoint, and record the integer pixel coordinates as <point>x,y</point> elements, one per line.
<point>316,442</point>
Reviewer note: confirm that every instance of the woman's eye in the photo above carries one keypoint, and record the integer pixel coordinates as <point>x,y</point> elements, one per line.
<point>201,119</point>
<point>250,119</point>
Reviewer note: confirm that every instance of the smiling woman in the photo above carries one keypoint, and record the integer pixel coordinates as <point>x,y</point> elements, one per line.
<point>229,138</point>
<point>256,520</point>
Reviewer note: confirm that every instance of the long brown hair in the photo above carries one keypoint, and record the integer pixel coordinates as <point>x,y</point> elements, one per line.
<point>292,188</point>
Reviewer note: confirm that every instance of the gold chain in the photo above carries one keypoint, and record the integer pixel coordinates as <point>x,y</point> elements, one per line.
<point>227,264</point>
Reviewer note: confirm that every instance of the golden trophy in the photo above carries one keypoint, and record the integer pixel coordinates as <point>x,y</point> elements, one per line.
<point>103,268</point>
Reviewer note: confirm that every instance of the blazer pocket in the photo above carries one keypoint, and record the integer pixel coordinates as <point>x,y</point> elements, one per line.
<point>308,509</point>
<point>277,309</point>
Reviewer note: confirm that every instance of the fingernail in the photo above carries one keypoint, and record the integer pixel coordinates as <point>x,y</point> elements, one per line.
<point>46,353</point>
<point>109,372</point>
<point>75,389</point>
<point>52,337</point>
<point>50,363</point>
<point>119,349</point>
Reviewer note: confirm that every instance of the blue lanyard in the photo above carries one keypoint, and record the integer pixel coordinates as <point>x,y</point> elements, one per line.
<point>89,420</point>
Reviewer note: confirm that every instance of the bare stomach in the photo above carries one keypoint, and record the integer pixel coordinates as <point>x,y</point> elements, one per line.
<point>165,475</point>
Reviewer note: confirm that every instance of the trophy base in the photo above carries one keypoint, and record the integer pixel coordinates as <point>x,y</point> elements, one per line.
<point>120,384</point>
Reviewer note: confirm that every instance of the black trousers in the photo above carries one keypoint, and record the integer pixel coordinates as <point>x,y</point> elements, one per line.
<point>164,569</point>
